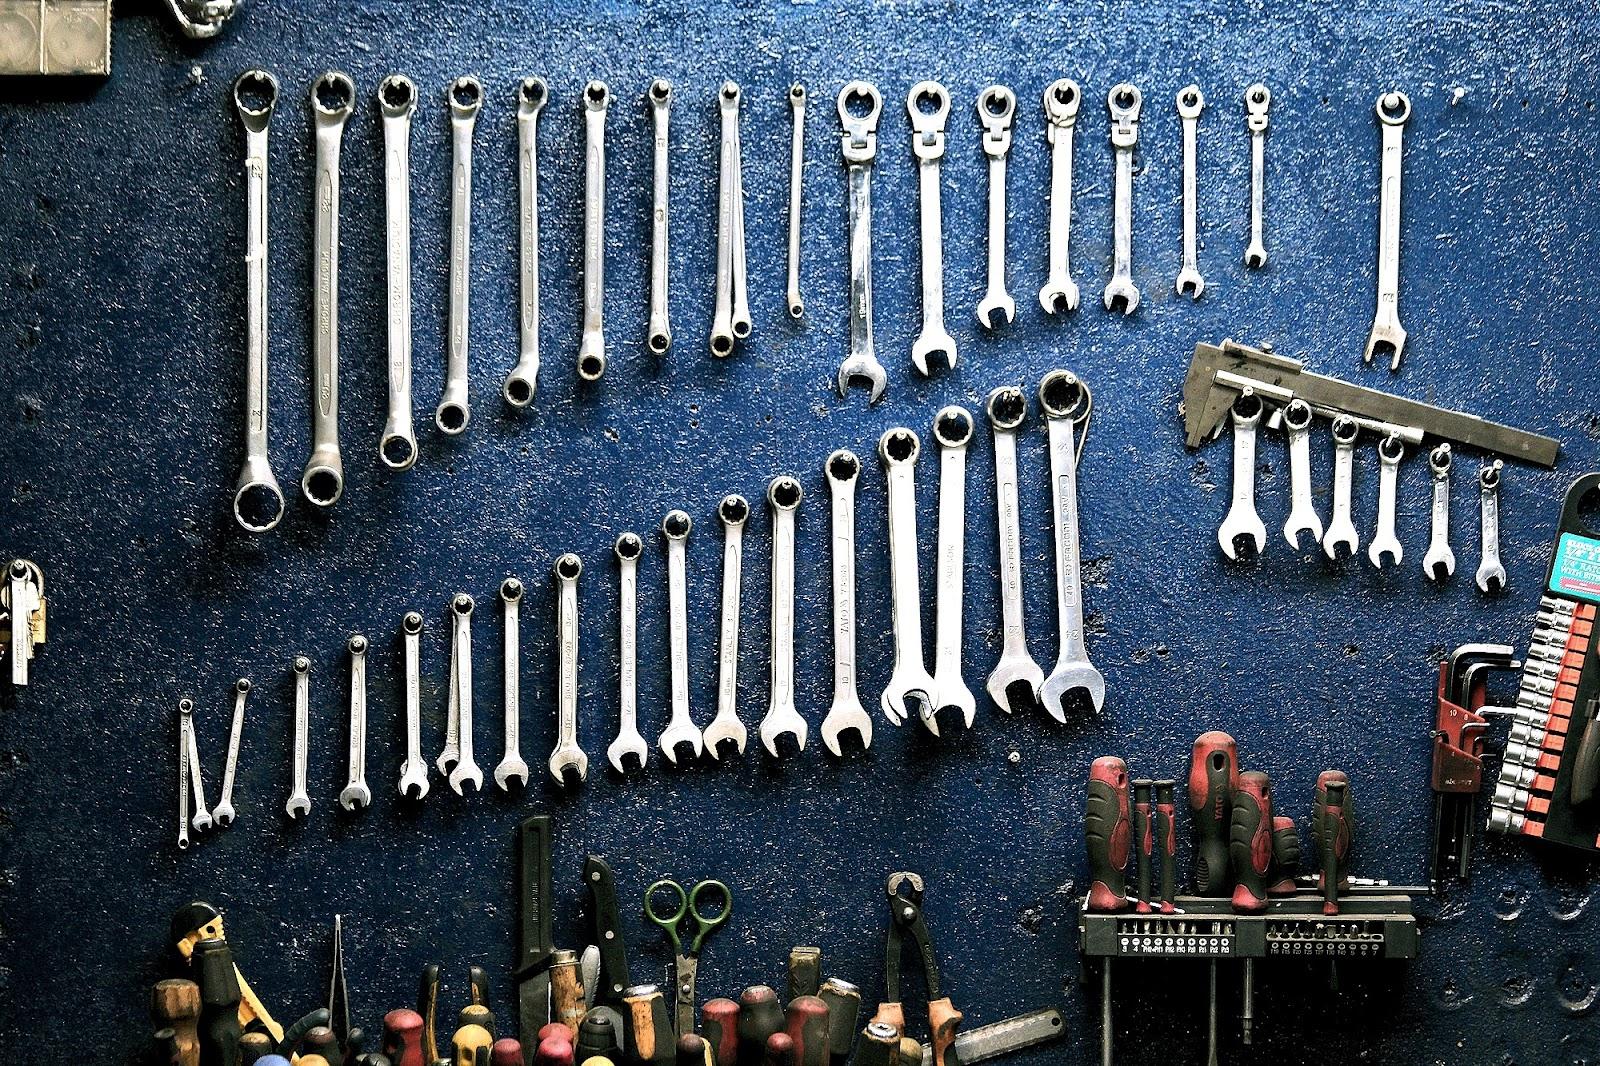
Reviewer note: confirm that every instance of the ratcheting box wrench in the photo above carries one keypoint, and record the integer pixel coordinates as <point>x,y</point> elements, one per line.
<point>928,104</point>
<point>592,347</point>
<point>1014,682</point>
<point>189,756</point>
<point>522,383</point>
<point>726,727</point>
<point>512,767</point>
<point>414,771</point>
<point>1061,100</point>
<point>568,760</point>
<point>797,149</point>
<point>1394,109</point>
<point>1190,104</point>
<point>1067,405</point>
<point>1123,102</point>
<point>681,731</point>
<point>952,428</point>
<point>1257,99</point>
<point>782,719</point>
<point>356,793</point>
<point>454,410</point>
<point>659,331</point>
<point>397,101</point>
<point>845,714</point>
<point>997,106</point>
<point>628,750</point>
<point>909,682</point>
<point>860,104</point>
<point>732,318</point>
<point>332,99</point>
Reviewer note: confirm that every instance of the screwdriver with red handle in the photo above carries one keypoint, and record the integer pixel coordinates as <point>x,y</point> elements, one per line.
<point>1143,841</point>
<point>1167,841</point>
<point>1333,830</point>
<point>1213,775</point>
<point>1106,831</point>
<point>1250,841</point>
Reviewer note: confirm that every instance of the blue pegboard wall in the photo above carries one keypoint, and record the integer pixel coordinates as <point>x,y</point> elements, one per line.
<point>123,306</point>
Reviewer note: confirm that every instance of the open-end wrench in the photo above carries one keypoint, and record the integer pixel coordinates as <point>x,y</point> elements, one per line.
<point>952,428</point>
<point>909,681</point>
<point>522,384</point>
<point>299,804</point>
<point>1061,100</point>
<point>1302,511</point>
<point>1341,525</point>
<point>200,817</point>
<point>782,719</point>
<point>465,96</point>
<point>845,714</point>
<point>1257,99</point>
<point>659,330</point>
<point>928,104</point>
<point>460,704</point>
<point>1242,520</point>
<point>1190,104</point>
<point>797,152</point>
<point>731,321</point>
<point>997,106</point>
<point>568,760</point>
<point>1440,562</point>
<point>356,793</point>
<point>681,730</point>
<point>414,771</point>
<point>859,145</point>
<point>512,765</point>
<point>1014,682</point>
<point>630,743</point>
<point>397,101</point>
<point>185,714</point>
<point>1491,576</point>
<point>1391,450</point>
<point>734,511</point>
<point>257,499</point>
<point>1123,102</point>
<point>592,348</point>
<point>1067,405</point>
<point>222,814</point>
<point>1394,109</point>
<point>322,482</point>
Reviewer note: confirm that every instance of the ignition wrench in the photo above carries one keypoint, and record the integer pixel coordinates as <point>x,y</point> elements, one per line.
<point>397,101</point>
<point>1123,102</point>
<point>1015,680</point>
<point>1242,519</point>
<point>222,814</point>
<point>299,804</point>
<point>522,384</point>
<point>1394,109</point>
<point>659,335</point>
<point>845,714</point>
<point>782,719</point>
<point>592,348</point>
<point>734,511</point>
<point>630,742</point>
<point>1068,405</point>
<point>859,145</point>
<point>681,730</point>
<point>1190,104</point>
<point>356,793</point>
<point>952,428</point>
<point>568,759</point>
<point>929,105</point>
<point>512,765</point>
<point>1061,100</point>
<point>997,106</point>
<point>332,99</point>
<point>1440,562</point>
<point>414,771</point>
<point>898,450</point>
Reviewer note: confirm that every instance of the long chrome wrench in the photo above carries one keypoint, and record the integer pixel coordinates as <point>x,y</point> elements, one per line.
<point>592,347</point>
<point>1061,100</point>
<point>797,149</point>
<point>681,730</point>
<point>1067,405</point>
<point>726,727</point>
<point>732,317</point>
<point>782,717</point>
<point>322,481</point>
<point>185,712</point>
<point>199,817</point>
<point>568,760</point>
<point>1123,103</point>
<point>1014,682</point>
<point>660,329</point>
<point>222,814</point>
<point>397,101</point>
<point>512,767</point>
<point>299,804</point>
<point>859,146</point>
<point>1191,103</point>
<point>460,701</point>
<point>455,409</point>
<point>952,428</point>
<point>928,104</point>
<point>845,714</point>
<point>522,384</point>
<point>1394,109</point>
<point>629,749</point>
<point>414,771</point>
<point>909,681</point>
<point>356,793</point>
<point>1257,99</point>
<point>997,106</point>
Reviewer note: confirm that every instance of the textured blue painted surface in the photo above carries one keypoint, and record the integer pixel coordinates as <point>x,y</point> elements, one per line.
<point>122,311</point>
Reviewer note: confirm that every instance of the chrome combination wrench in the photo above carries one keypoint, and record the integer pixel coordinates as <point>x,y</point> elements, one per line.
<point>797,149</point>
<point>414,771</point>
<point>592,347</point>
<point>512,766</point>
<point>1015,680</point>
<point>1191,103</point>
<point>1067,405</point>
<point>731,322</point>
<point>1341,525</point>
<point>1394,109</point>
<point>1491,575</point>
<point>928,104</point>
<point>567,761</point>
<point>726,727</point>
<point>459,731</point>
<point>952,429</point>
<point>997,106</point>
<point>1243,521</point>
<point>681,732</point>
<point>299,804</point>
<point>1257,99</point>
<point>222,814</point>
<point>522,384</point>
<point>1440,562</point>
<point>909,682</point>
<point>845,714</point>
<point>1061,101</point>
<point>1123,103</point>
<point>356,793</point>
<point>1384,542</point>
<point>185,723</point>
<point>332,99</point>
<point>397,101</point>
<point>455,410</point>
<point>628,750</point>
<point>859,145</point>
<point>782,718</point>
<point>659,330</point>
<point>1303,516</point>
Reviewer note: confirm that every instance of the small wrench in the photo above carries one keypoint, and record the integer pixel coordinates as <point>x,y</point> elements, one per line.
<point>1123,102</point>
<point>1014,682</point>
<point>454,410</point>
<point>929,105</point>
<point>414,771</point>
<point>782,719</point>
<point>681,730</point>
<point>1242,519</point>
<point>1190,104</point>
<point>630,744</point>
<point>592,348</point>
<point>1491,576</point>
<point>1067,405</point>
<point>1440,562</point>
<point>1257,99</point>
<point>1384,542</point>
<point>1061,100</point>
<point>1302,511</point>
<point>1394,109</point>
<point>952,428</point>
<point>332,99</point>
<point>997,106</point>
<point>257,499</point>
<point>568,757</point>
<point>734,511</point>
<point>859,145</point>
<point>185,716</point>
<point>512,765</point>
<point>299,804</point>
<point>460,704</point>
<point>397,101</point>
<point>200,818</point>
<point>522,383</point>
<point>797,149</point>
<point>356,793</point>
<point>845,714</point>
<point>222,814</point>
<point>898,450</point>
<point>660,329</point>
<point>1341,526</point>
<point>732,318</point>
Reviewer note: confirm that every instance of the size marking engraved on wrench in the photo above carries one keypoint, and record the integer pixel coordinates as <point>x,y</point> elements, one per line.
<point>356,793</point>
<point>997,106</point>
<point>1384,542</point>
<point>414,771</point>
<point>397,101</point>
<point>797,149</point>
<point>782,718</point>
<point>1440,562</point>
<point>1242,520</point>
<point>1068,404</point>
<point>659,330</point>
<point>1491,575</point>
<point>952,429</point>
<point>859,145</point>
<point>726,727</point>
<point>322,482</point>
<point>681,730</point>
<point>1061,101</point>
<point>1257,99</point>
<point>628,750</point>
<point>465,97</point>
<point>845,714</point>
<point>592,347</point>
<point>512,767</point>
<point>522,383</point>
<point>222,814</point>
<point>1302,511</point>
<point>1190,104</point>
<point>1014,682</point>
<point>460,703</point>
<point>568,761</point>
<point>928,104</point>
<point>1394,109</point>
<point>731,322</point>
<point>1123,103</point>
<point>299,804</point>
<point>909,682</point>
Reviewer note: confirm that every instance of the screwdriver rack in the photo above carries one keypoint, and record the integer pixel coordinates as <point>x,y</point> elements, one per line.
<point>1379,926</point>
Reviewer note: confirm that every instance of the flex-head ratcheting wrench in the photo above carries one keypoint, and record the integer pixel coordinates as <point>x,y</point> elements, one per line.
<point>454,411</point>
<point>732,317</point>
<point>845,714</point>
<point>460,702</point>
<point>1257,99</point>
<point>322,482</point>
<point>592,348</point>
<point>1394,109</point>
<point>299,804</point>
<point>1061,100</point>
<point>523,382</point>
<point>726,728</point>
<point>1242,520</point>
<point>512,766</point>
<point>859,144</point>
<point>1067,405</point>
<point>1302,511</point>
<point>1341,525</point>
<point>681,730</point>
<point>356,793</point>
<point>257,499</point>
<point>782,719</point>
<point>222,814</point>
<point>1191,103</point>
<point>629,749</point>
<point>952,428</point>
<point>397,101</point>
<point>909,681</point>
<point>997,106</point>
<point>414,771</point>
<point>659,331</point>
<point>1391,450</point>
<point>1123,102</point>
<point>1014,682</point>
<point>928,104</point>
<point>568,760</point>
<point>1440,562</point>
<point>1491,575</point>
<point>797,149</point>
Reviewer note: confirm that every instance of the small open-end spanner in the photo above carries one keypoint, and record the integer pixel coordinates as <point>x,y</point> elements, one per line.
<point>322,482</point>
<point>997,106</point>
<point>845,714</point>
<point>928,104</point>
<point>797,149</point>
<point>567,761</point>
<point>522,383</point>
<point>1061,100</point>
<point>512,766</point>
<point>1302,510</point>
<point>681,730</point>
<point>1242,520</point>
<point>1014,682</point>
<point>1257,99</point>
<point>726,727</point>
<point>455,410</point>
<point>1068,405</point>
<point>1341,525</point>
<point>1190,104</point>
<point>782,718</point>
<point>1384,542</point>
<point>460,704</point>
<point>397,101</point>
<point>659,330</point>
<point>592,347</point>
<point>731,321</point>
<point>1123,102</point>
<point>629,751</point>
<point>414,771</point>
<point>1440,562</point>
<point>909,681</point>
<point>1394,109</point>
<point>299,804</point>
<point>859,144</point>
<point>222,814</point>
<point>952,428</point>
<point>199,818</point>
<point>1491,576</point>
<point>356,793</point>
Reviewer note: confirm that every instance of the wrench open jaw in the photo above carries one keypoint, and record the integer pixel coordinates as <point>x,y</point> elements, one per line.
<point>910,688</point>
<point>860,104</point>
<point>1243,522</point>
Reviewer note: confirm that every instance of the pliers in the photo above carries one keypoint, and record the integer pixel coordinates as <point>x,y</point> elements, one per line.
<point>904,891</point>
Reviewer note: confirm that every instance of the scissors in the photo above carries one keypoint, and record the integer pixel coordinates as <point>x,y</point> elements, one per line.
<point>678,926</point>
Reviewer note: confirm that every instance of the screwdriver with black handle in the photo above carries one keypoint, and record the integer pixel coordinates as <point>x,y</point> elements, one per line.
<point>1333,830</point>
<point>1106,832</point>
<point>1143,841</point>
<point>1213,775</point>
<point>1166,810</point>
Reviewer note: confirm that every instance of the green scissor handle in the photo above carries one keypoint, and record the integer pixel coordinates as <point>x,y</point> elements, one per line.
<point>689,905</point>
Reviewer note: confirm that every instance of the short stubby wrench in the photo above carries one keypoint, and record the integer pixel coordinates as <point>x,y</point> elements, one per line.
<point>397,101</point>
<point>1491,576</point>
<point>731,321</point>
<point>322,482</point>
<point>1242,520</point>
<point>257,499</point>
<point>952,428</point>
<point>997,106</point>
<point>797,152</point>
<point>1014,682</point>
<point>1303,516</point>
<point>299,804</point>
<point>1341,525</point>
<point>928,104</point>
<point>1440,562</point>
<point>659,330</point>
<point>185,716</point>
<point>629,750</point>
<point>681,730</point>
<point>1123,102</point>
<point>1394,109</point>
<point>1257,99</point>
<point>1061,100</point>
<point>726,728</point>
<point>592,347</point>
<point>414,771</point>
<point>1384,542</point>
<point>859,145</point>
<point>1190,104</point>
<point>512,766</point>
<point>522,384</point>
<point>222,814</point>
<point>460,703</point>
<point>845,713</point>
<point>200,817</point>
<point>356,793</point>
<point>455,410</point>
<point>782,718</point>
<point>1067,405</point>
<point>909,681</point>
<point>567,761</point>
